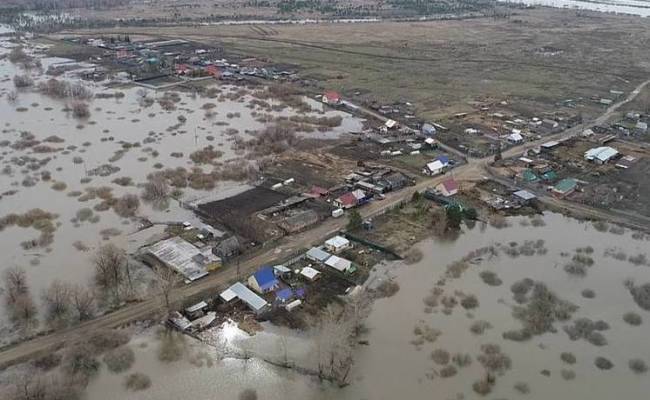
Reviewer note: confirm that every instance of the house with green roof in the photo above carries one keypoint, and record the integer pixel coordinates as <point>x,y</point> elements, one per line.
<point>565,187</point>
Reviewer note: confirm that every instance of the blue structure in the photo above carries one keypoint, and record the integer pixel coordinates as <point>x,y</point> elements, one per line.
<point>264,280</point>
<point>284,295</point>
<point>443,159</point>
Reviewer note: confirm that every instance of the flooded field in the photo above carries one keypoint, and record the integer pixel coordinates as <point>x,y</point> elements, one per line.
<point>76,166</point>
<point>444,330</point>
<point>632,7</point>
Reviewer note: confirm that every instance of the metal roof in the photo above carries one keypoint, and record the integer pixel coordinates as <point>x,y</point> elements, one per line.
<point>318,254</point>
<point>338,263</point>
<point>337,242</point>
<point>179,254</point>
<point>255,302</point>
<point>524,195</point>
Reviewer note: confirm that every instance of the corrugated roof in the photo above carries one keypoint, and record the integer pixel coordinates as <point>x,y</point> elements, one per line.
<point>246,295</point>
<point>318,254</point>
<point>178,254</point>
<point>338,263</point>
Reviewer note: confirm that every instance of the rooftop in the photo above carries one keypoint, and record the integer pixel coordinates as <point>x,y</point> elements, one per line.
<point>238,290</point>
<point>181,256</point>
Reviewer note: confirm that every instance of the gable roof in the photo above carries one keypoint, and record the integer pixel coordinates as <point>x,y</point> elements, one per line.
<point>265,278</point>
<point>246,295</point>
<point>332,96</point>
<point>435,165</point>
<point>337,241</point>
<point>348,199</point>
<point>565,185</point>
<point>443,159</point>
<point>317,254</point>
<point>338,263</point>
<point>450,185</point>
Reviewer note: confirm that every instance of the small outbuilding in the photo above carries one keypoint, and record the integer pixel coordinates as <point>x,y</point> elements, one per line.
<point>318,255</point>
<point>339,264</point>
<point>337,244</point>
<point>565,187</point>
<point>240,292</point>
<point>309,273</point>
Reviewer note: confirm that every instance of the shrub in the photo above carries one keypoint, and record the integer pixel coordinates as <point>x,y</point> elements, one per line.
<point>462,360</point>
<point>543,309</point>
<point>490,278</point>
<point>127,205</point>
<point>493,359</point>
<point>387,288</point>
<point>522,287</point>
<point>469,302</point>
<point>440,356</point>
<point>522,387</point>
<point>137,381</point>
<point>479,327</point>
<point>632,318</point>
<point>638,366</point>
<point>482,387</point>
<point>80,110</point>
<point>568,358</point>
<point>108,340</point>
<point>448,371</point>
<point>519,335</point>
<point>23,81</point>
<point>48,362</point>
<point>641,295</point>
<point>603,363</point>
<point>80,362</point>
<point>568,374</point>
<point>171,346</point>
<point>248,394</point>
<point>120,359</point>
<point>588,294</point>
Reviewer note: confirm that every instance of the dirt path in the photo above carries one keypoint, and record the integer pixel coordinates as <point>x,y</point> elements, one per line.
<point>614,107</point>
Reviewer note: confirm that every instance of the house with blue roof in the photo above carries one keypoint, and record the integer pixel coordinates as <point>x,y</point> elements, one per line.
<point>443,159</point>
<point>284,295</point>
<point>264,280</point>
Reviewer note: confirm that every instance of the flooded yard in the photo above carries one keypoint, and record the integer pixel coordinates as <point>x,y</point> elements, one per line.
<point>420,343</point>
<point>77,166</point>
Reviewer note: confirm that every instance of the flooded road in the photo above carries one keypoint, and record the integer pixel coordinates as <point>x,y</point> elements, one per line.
<point>396,365</point>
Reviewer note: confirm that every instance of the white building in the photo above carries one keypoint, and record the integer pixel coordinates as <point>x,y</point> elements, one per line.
<point>600,155</point>
<point>339,264</point>
<point>337,244</point>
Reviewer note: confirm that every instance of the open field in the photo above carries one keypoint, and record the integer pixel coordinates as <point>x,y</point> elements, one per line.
<point>532,60</point>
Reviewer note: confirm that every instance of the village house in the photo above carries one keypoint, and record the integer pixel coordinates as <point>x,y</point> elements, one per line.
<point>227,248</point>
<point>337,244</point>
<point>350,199</point>
<point>263,280</point>
<point>524,197</point>
<point>428,129</point>
<point>331,98</point>
<point>641,128</point>
<point>183,257</point>
<point>565,187</point>
<point>515,138</point>
<point>310,274</point>
<point>448,187</point>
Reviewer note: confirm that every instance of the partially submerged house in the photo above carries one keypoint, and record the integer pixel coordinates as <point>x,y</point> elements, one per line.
<point>264,280</point>
<point>337,244</point>
<point>240,292</point>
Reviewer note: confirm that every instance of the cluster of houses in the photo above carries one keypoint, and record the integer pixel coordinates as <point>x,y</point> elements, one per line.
<point>282,286</point>
<point>179,57</point>
<point>273,287</point>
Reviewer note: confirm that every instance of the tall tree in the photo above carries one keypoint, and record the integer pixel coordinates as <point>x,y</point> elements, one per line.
<point>111,274</point>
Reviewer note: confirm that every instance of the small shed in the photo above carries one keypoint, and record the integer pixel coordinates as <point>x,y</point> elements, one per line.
<point>339,264</point>
<point>337,244</point>
<point>317,254</point>
<point>428,129</point>
<point>434,168</point>
<point>565,187</point>
<point>309,273</point>
<point>196,310</point>
<point>524,196</point>
<point>227,248</point>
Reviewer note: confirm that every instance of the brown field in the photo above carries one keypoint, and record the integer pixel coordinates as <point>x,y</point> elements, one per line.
<point>533,59</point>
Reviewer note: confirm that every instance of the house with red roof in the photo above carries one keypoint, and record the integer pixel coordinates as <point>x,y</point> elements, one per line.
<point>332,98</point>
<point>183,69</point>
<point>448,187</point>
<point>347,200</point>
<point>213,71</point>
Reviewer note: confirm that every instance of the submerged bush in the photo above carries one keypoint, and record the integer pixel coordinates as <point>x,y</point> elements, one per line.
<point>490,278</point>
<point>568,358</point>
<point>137,381</point>
<point>603,363</point>
<point>440,356</point>
<point>120,359</point>
<point>632,318</point>
<point>638,366</point>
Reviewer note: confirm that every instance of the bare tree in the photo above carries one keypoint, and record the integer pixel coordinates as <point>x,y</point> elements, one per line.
<point>83,302</point>
<point>18,299</point>
<point>57,299</point>
<point>165,281</point>
<point>111,270</point>
<point>334,345</point>
<point>15,283</point>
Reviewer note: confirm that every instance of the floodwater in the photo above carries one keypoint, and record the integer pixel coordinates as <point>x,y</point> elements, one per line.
<point>631,7</point>
<point>92,142</point>
<point>392,367</point>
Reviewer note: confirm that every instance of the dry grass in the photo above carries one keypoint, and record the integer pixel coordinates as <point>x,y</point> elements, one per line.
<point>119,359</point>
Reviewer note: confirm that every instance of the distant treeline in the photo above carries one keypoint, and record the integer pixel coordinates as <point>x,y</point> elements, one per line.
<point>54,5</point>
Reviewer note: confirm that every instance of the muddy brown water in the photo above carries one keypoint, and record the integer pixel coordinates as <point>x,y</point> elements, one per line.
<point>390,367</point>
<point>124,120</point>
